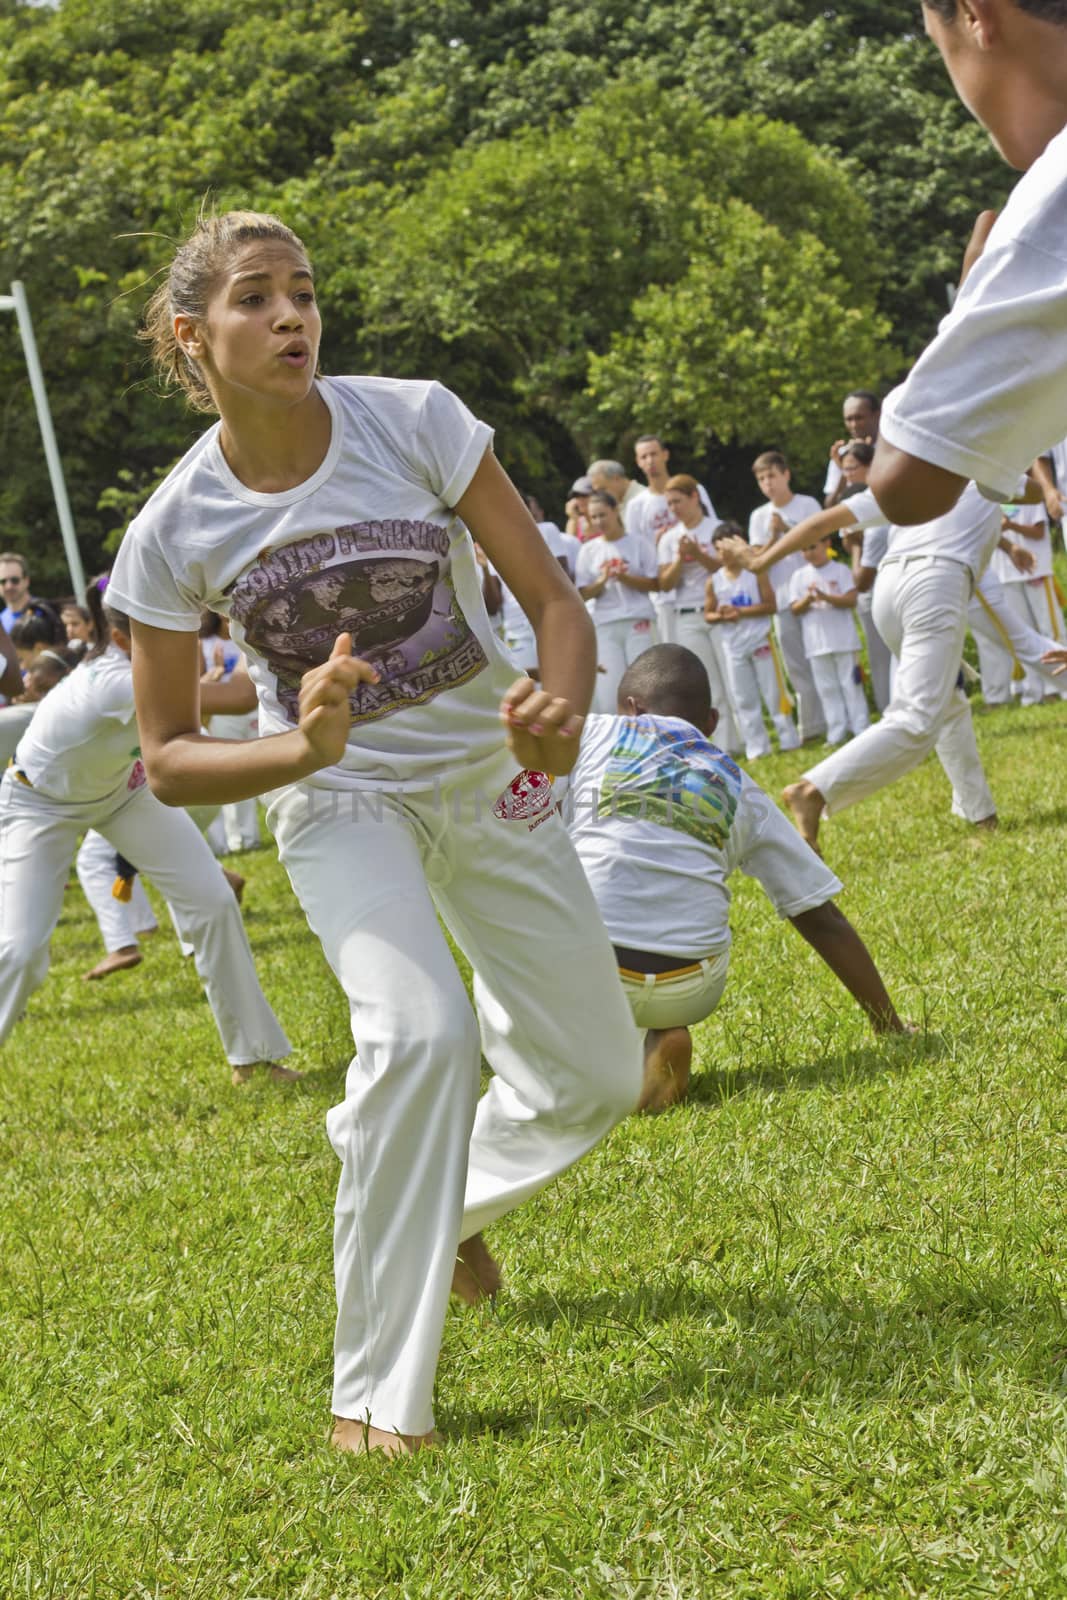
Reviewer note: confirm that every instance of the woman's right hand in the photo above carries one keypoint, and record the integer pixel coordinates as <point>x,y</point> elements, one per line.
<point>325,713</point>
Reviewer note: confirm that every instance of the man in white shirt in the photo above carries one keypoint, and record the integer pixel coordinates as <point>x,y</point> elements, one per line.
<point>862,412</point>
<point>610,477</point>
<point>769,522</point>
<point>686,558</point>
<point>649,515</point>
<point>989,394</point>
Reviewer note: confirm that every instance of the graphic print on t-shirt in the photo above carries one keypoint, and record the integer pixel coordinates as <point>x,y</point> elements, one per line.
<point>678,779</point>
<point>388,584</point>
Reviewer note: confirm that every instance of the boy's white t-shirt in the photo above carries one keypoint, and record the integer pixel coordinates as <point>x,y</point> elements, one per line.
<point>759,533</point>
<point>616,602</point>
<point>826,629</point>
<point>1041,549</point>
<point>83,742</point>
<point>369,544</point>
<point>967,534</point>
<point>989,394</point>
<point>688,593</point>
<point>660,817</point>
<point>739,639</point>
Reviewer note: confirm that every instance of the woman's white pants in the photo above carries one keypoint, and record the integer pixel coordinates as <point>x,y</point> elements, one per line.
<point>920,609</point>
<point>695,634</point>
<point>38,839</point>
<point>240,821</point>
<point>618,645</point>
<point>119,921</point>
<point>424,1162</point>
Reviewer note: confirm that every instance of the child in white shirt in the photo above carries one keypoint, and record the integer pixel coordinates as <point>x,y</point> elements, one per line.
<point>823,595</point>
<point>617,571</point>
<point>660,817</point>
<point>768,523</point>
<point>740,604</point>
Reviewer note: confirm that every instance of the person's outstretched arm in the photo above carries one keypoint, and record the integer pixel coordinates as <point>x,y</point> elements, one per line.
<point>833,937</point>
<point>810,531</point>
<point>11,675</point>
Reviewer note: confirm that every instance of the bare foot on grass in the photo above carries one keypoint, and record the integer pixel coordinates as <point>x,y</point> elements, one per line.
<point>477,1275</point>
<point>236,883</point>
<point>806,804</point>
<point>117,961</point>
<point>274,1069</point>
<point>668,1058</point>
<point>989,824</point>
<point>360,1439</point>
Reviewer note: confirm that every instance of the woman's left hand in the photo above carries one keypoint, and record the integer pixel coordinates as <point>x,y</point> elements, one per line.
<point>543,731</point>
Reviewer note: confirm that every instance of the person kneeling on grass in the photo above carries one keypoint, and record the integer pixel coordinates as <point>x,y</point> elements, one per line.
<point>660,817</point>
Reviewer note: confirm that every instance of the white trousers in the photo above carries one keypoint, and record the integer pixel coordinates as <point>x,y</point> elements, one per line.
<point>879,655</point>
<point>666,618</point>
<point>119,921</point>
<point>754,684</point>
<point>1035,607</point>
<point>810,718</point>
<point>240,821</point>
<point>38,839</point>
<point>425,1163</point>
<point>920,609</point>
<point>1004,635</point>
<point>695,634</point>
<point>840,689</point>
<point>521,646</point>
<point>617,645</point>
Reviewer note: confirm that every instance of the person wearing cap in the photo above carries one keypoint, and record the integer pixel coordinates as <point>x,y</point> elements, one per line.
<point>578,525</point>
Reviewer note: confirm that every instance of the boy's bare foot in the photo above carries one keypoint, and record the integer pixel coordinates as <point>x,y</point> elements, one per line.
<point>806,804</point>
<point>245,1074</point>
<point>117,961</point>
<point>668,1057</point>
<point>477,1275</point>
<point>989,824</point>
<point>236,883</point>
<point>360,1439</point>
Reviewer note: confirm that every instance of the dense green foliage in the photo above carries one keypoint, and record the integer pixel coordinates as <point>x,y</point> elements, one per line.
<point>802,1338</point>
<point>585,216</point>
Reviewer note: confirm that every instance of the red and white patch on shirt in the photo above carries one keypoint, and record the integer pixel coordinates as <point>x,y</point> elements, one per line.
<point>527,796</point>
<point>137,778</point>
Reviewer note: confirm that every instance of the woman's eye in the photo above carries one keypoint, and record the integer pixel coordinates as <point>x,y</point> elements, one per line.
<point>251,299</point>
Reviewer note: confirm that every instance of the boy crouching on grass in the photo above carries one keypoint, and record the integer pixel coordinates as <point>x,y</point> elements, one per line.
<point>660,817</point>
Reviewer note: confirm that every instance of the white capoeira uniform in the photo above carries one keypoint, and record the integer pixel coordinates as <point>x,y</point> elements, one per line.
<point>516,630</point>
<point>1031,596</point>
<point>649,516</point>
<point>1003,639</point>
<point>623,617</point>
<point>119,921</point>
<point>687,601</point>
<point>660,818</point>
<point>237,828</point>
<point>810,718</point>
<point>753,673</point>
<point>425,813</point>
<point>76,768</point>
<point>879,656</point>
<point>832,647</point>
<point>921,596</point>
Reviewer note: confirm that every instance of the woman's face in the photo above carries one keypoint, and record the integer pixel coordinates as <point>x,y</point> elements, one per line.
<point>605,520</point>
<point>854,471</point>
<point>75,624</point>
<point>260,337</point>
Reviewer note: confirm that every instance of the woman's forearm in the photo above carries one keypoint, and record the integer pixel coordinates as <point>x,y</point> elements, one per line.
<point>566,651</point>
<point>193,769</point>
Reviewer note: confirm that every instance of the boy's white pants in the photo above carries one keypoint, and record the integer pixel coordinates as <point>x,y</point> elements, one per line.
<point>840,690</point>
<point>920,609</point>
<point>754,684</point>
<point>810,719</point>
<point>119,921</point>
<point>695,634</point>
<point>618,644</point>
<point>879,655</point>
<point>38,839</point>
<point>240,821</point>
<point>1004,635</point>
<point>425,1164</point>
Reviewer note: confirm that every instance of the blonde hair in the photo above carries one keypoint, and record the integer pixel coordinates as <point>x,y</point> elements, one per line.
<point>187,289</point>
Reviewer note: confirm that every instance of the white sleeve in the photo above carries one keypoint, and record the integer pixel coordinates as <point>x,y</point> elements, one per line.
<point>143,585</point>
<point>758,527</point>
<point>865,509</point>
<point>833,477</point>
<point>584,570</point>
<point>648,559</point>
<point>667,549</point>
<point>989,394</point>
<point>791,875</point>
<point>451,443</point>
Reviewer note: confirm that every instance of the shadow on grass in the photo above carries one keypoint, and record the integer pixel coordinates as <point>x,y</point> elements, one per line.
<point>716,1084</point>
<point>1054,818</point>
<point>948,1329</point>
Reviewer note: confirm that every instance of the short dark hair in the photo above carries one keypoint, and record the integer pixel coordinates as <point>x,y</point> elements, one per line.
<point>863,452</point>
<point>866,394</point>
<point>1044,10</point>
<point>648,438</point>
<point>670,681</point>
<point>770,459</point>
<point>729,530</point>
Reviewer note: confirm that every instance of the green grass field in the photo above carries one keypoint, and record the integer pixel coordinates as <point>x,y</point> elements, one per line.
<point>805,1336</point>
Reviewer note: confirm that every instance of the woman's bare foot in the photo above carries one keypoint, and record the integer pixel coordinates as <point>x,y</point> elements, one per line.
<point>241,1075</point>
<point>477,1275</point>
<point>117,961</point>
<point>806,804</point>
<point>360,1439</point>
<point>668,1057</point>
<point>236,883</point>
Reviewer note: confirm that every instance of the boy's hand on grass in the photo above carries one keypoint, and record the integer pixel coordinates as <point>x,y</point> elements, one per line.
<point>542,730</point>
<point>325,714</point>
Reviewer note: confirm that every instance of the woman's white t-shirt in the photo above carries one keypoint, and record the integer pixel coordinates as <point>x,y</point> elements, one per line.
<point>616,602</point>
<point>688,593</point>
<point>660,817</point>
<point>369,545</point>
<point>83,742</point>
<point>739,639</point>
